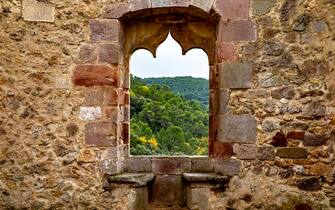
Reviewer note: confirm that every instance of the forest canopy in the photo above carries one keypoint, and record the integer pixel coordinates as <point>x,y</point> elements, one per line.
<point>165,122</point>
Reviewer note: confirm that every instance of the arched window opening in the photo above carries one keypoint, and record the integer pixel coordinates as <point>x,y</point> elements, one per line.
<point>169,101</point>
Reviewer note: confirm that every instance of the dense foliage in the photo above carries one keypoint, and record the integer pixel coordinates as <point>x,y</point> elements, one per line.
<point>163,123</point>
<point>189,87</point>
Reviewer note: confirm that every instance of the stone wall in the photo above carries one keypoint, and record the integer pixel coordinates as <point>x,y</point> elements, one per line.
<point>64,120</point>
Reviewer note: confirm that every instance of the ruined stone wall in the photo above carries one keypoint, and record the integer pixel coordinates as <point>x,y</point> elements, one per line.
<point>65,109</point>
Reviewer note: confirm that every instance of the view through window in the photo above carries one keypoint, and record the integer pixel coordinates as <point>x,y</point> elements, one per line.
<point>169,101</point>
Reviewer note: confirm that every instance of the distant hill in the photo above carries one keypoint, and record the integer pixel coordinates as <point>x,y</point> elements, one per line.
<point>189,87</point>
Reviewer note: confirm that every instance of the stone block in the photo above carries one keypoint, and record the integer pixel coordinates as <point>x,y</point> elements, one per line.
<point>292,152</point>
<point>235,75</point>
<point>224,97</point>
<point>233,9</point>
<point>114,114</point>
<point>287,92</point>
<point>90,113</point>
<point>262,7</point>
<point>315,109</point>
<point>110,53</point>
<point>226,52</point>
<point>168,190</point>
<point>220,150</point>
<point>87,54</point>
<point>298,135</point>
<point>241,30</point>
<point>202,164</point>
<point>279,140</point>
<point>198,198</point>
<point>94,96</point>
<point>101,134</point>
<point>116,10</point>
<point>115,152</point>
<point>160,3</point>
<point>309,184</point>
<point>205,5</point>
<point>266,153</point>
<point>227,167</point>
<point>171,165</point>
<point>125,132</point>
<point>273,49</point>
<point>245,151</point>
<point>136,5</point>
<point>115,97</point>
<point>111,166</point>
<point>315,139</point>
<point>137,165</point>
<point>180,3</point>
<point>138,199</point>
<point>95,75</point>
<point>237,129</point>
<point>33,10</point>
<point>105,30</point>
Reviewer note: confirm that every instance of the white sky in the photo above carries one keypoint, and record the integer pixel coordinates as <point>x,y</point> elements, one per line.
<point>169,62</point>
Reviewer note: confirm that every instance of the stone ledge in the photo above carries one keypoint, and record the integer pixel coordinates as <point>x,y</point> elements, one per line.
<point>137,180</point>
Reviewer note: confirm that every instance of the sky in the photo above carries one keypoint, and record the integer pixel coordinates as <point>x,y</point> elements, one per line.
<point>169,62</point>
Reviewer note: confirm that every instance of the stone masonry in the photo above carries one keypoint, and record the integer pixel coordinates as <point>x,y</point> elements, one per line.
<point>64,120</point>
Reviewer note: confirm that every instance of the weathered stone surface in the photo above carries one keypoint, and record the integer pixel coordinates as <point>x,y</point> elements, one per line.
<point>309,184</point>
<point>105,30</point>
<point>62,81</point>
<point>169,190</point>
<point>233,9</point>
<point>245,151</point>
<point>95,75</point>
<point>101,134</point>
<point>262,7</point>
<point>198,198</point>
<point>315,139</point>
<point>33,10</point>
<point>227,167</point>
<point>226,52</point>
<point>116,10</point>
<point>202,165</point>
<point>171,166</point>
<point>87,54</point>
<point>160,3</point>
<point>180,3</point>
<point>235,75</point>
<point>137,165</point>
<point>266,153</point>
<point>270,124</point>
<point>315,109</point>
<point>110,53</point>
<point>224,96</point>
<point>320,26</point>
<point>205,177</point>
<point>273,49</point>
<point>296,125</point>
<point>242,30</point>
<point>136,179</point>
<point>301,23</point>
<point>314,68</point>
<point>136,5</point>
<point>220,150</point>
<point>287,92</point>
<point>237,128</point>
<point>110,166</point>
<point>291,107</point>
<point>87,156</point>
<point>204,5</point>
<point>90,113</point>
<point>292,152</point>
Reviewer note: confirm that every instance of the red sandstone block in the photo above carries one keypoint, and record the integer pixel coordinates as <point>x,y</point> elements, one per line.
<point>241,30</point>
<point>226,52</point>
<point>101,134</point>
<point>116,10</point>
<point>95,75</point>
<point>105,30</point>
<point>110,53</point>
<point>233,9</point>
<point>220,150</point>
<point>114,114</point>
<point>125,134</point>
